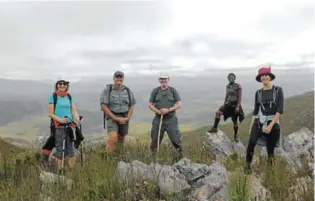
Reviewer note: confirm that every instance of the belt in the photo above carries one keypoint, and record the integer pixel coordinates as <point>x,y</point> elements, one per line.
<point>119,113</point>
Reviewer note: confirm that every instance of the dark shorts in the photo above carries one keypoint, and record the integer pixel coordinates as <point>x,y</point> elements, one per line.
<point>62,134</point>
<point>229,111</point>
<point>121,129</point>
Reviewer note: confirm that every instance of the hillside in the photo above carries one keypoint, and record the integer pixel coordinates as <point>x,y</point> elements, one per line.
<point>238,184</point>
<point>299,112</point>
<point>7,149</point>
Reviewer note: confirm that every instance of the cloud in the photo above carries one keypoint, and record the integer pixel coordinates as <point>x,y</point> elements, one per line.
<point>77,39</point>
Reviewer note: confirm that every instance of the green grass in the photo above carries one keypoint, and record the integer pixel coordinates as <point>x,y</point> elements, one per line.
<point>97,179</point>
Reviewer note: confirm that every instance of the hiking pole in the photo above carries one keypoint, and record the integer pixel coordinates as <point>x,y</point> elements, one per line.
<point>81,148</point>
<point>64,146</point>
<point>159,133</point>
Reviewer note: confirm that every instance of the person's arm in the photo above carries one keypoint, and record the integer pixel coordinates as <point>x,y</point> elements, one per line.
<point>256,109</point>
<point>151,101</point>
<point>74,111</point>
<point>51,109</point>
<point>239,97</point>
<point>104,99</point>
<point>280,107</point>
<point>225,98</point>
<point>132,105</point>
<point>178,103</point>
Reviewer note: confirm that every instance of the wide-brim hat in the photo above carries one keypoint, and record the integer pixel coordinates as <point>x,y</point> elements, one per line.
<point>265,71</point>
<point>67,82</point>
<point>164,75</point>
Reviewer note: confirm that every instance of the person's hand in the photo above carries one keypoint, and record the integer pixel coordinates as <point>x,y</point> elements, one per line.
<point>237,109</point>
<point>158,112</point>
<point>267,130</point>
<point>123,120</point>
<point>63,120</point>
<point>80,121</point>
<point>118,119</point>
<point>164,111</point>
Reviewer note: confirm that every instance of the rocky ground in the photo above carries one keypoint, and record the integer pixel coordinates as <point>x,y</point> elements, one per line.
<point>210,182</point>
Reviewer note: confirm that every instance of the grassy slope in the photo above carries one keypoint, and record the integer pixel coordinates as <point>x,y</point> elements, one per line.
<point>299,112</point>
<point>8,149</point>
<point>100,181</point>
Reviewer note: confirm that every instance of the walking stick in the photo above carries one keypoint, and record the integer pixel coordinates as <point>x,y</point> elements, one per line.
<point>159,133</point>
<point>81,148</point>
<point>64,146</point>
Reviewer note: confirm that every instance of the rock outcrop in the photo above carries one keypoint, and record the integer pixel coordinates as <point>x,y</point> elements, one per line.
<point>205,182</point>
<point>221,146</point>
<point>210,182</point>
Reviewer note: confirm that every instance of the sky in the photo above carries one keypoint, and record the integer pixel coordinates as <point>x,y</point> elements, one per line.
<point>73,40</point>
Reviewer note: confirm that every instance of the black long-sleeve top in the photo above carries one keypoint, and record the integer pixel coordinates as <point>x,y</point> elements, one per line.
<point>266,97</point>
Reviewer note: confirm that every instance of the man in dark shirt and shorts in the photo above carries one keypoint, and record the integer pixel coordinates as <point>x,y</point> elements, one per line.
<point>165,100</point>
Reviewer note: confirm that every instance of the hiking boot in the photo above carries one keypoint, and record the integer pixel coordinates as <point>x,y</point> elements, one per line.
<point>213,130</point>
<point>44,160</point>
<point>236,138</point>
<point>248,168</point>
<point>62,172</point>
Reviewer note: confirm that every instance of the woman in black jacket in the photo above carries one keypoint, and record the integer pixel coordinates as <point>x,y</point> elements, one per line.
<point>265,126</point>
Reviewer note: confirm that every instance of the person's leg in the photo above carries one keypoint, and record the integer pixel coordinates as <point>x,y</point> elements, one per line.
<point>112,129</point>
<point>154,133</point>
<point>235,126</point>
<point>122,132</point>
<point>171,126</point>
<point>218,114</point>
<point>70,148</point>
<point>272,139</point>
<point>254,135</point>
<point>59,137</point>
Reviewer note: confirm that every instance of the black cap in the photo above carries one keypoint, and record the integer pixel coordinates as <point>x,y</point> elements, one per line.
<point>63,81</point>
<point>119,73</point>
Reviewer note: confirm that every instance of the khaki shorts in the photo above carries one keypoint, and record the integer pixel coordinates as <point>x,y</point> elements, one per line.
<point>121,129</point>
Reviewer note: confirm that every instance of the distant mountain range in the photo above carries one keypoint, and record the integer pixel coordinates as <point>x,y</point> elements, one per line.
<point>23,103</point>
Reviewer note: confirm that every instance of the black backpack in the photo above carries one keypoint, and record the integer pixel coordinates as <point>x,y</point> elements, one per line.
<point>55,96</point>
<point>275,90</point>
<point>110,90</point>
<point>156,90</point>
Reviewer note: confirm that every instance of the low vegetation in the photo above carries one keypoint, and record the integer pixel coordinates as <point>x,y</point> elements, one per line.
<point>97,180</point>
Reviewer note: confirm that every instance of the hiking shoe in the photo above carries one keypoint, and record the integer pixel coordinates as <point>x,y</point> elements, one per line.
<point>213,130</point>
<point>248,168</point>
<point>44,159</point>
<point>236,138</point>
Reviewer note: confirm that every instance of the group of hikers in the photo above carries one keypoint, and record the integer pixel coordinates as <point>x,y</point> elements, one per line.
<point>118,102</point>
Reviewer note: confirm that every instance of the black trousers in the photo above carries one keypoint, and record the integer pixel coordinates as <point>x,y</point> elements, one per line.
<point>257,132</point>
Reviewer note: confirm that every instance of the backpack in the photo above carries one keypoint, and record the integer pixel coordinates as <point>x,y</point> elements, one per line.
<point>55,96</point>
<point>157,90</point>
<point>110,90</point>
<point>275,90</point>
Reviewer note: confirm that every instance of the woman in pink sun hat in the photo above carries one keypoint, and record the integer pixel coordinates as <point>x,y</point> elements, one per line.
<point>265,126</point>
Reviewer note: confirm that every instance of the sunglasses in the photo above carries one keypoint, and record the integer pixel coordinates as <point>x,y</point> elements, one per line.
<point>63,83</point>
